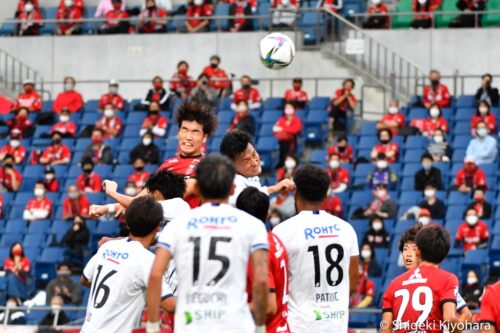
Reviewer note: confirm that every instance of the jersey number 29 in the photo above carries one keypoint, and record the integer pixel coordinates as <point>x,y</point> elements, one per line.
<point>425,307</point>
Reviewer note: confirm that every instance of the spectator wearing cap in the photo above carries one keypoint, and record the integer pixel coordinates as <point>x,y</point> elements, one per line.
<point>110,124</point>
<point>393,120</point>
<point>376,18</point>
<point>69,98</point>
<point>436,92</point>
<point>154,122</point>
<point>470,176</point>
<point>203,93</point>
<point>56,153</point>
<point>483,148</point>
<point>116,22</point>
<point>487,93</point>
<point>98,151</point>
<point>343,102</point>
<point>480,205</point>
<point>10,178</point>
<point>242,120</point>
<point>75,204</point>
<point>156,94</point>
<point>49,180</point>
<point>40,207</point>
<point>285,12</point>
<point>112,97</point>
<point>89,181</point>
<point>147,150</point>
<point>386,146</point>
<point>424,217</point>
<point>473,233</point>
<point>29,20</point>
<point>343,149</point>
<point>152,19</point>
<point>339,176</point>
<point>64,126</point>
<point>428,174</point>
<point>105,6</point>
<point>29,98</point>
<point>296,96</point>
<point>382,174</point>
<point>247,93</point>
<point>240,9</point>
<point>432,204</point>
<point>139,176</point>
<point>20,125</point>
<point>484,114</point>
<point>71,12</point>
<point>181,82</point>
<point>286,130</point>
<point>219,80</point>
<point>197,15</point>
<point>14,149</point>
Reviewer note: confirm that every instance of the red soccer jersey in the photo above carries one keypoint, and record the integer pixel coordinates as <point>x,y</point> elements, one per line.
<point>112,20</point>
<point>70,99</point>
<point>430,126</point>
<point>182,84</point>
<point>290,128</point>
<point>490,306</point>
<point>338,177</point>
<point>51,185</point>
<point>197,12</point>
<point>67,128</point>
<point>150,25</point>
<point>28,19</point>
<point>398,117</point>
<point>64,13</point>
<point>10,265</point>
<point>378,9</point>
<point>333,205</point>
<point>110,124</point>
<point>44,204</point>
<point>475,179</point>
<point>292,95</point>
<point>32,101</point>
<point>345,105</point>
<point>366,287</point>
<point>19,124</point>
<point>440,95</point>
<point>419,294</point>
<point>159,123</point>
<point>79,206</point>
<point>331,4</point>
<point>218,77</point>
<point>278,282</point>
<point>18,152</point>
<point>472,236</point>
<point>345,155</point>
<point>6,179</point>
<point>55,153</point>
<point>490,120</point>
<point>252,96</point>
<point>385,149</point>
<point>139,179</point>
<point>90,184</point>
<point>116,100</point>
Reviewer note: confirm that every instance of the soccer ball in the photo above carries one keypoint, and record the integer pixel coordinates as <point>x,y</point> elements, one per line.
<point>276,50</point>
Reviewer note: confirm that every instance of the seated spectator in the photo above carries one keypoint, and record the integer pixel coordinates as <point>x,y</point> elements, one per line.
<point>247,93</point>
<point>484,115</point>
<point>56,153</point>
<point>197,15</point>
<point>20,125</point>
<point>115,20</point>
<point>436,92</point>
<point>77,3</point>
<point>429,174</point>
<point>296,96</point>
<point>110,124</point>
<point>468,19</point>
<point>377,236</point>
<point>69,98</point>
<point>333,5</point>
<point>473,233</point>
<point>487,93</point>
<point>69,11</point>
<point>286,130</point>
<point>333,205</point>
<point>421,20</point>
<point>289,167</point>
<point>369,262</point>
<point>393,120</point>
<point>15,149</point>
<point>382,205</point>
<point>10,178</point>
<point>154,122</point>
<point>432,204</point>
<point>65,127</point>
<point>181,82</point>
<point>166,5</point>
<point>56,305</point>
<point>64,286</point>
<point>146,150</point>
<point>29,98</point>
<point>75,204</point>
<point>435,121</point>
<point>343,102</point>
<point>479,204</point>
<point>339,177</point>
<point>241,8</point>
<point>343,149</point>
<point>483,147</point>
<point>18,273</point>
<point>275,218</point>
<point>243,120</point>
<point>156,94</point>
<point>386,147</point>
<point>376,19</point>
<point>139,176</point>
<point>285,13</point>
<point>130,189</point>
<point>365,292</point>
<point>284,203</point>
<point>112,97</point>
<point>382,174</point>
<point>472,291</point>
<point>203,93</point>
<point>89,181</point>
<point>29,20</point>
<point>106,6</point>
<point>75,242</point>
<point>439,148</point>
<point>16,317</point>
<point>20,6</point>
<point>40,207</point>
<point>152,19</point>
<point>98,151</point>
<point>219,80</point>
<point>424,217</point>
<point>470,176</point>
<point>50,181</point>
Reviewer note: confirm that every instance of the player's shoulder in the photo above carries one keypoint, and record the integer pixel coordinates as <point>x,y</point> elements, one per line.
<point>493,290</point>
<point>175,203</point>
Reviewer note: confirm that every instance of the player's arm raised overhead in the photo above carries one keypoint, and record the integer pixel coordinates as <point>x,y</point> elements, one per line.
<point>153,295</point>
<point>353,274</point>
<point>260,285</point>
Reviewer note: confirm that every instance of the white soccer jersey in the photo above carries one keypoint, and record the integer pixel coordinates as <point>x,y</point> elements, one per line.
<point>119,273</point>
<point>319,247</point>
<point>211,248</point>
<point>173,208</point>
<point>242,183</point>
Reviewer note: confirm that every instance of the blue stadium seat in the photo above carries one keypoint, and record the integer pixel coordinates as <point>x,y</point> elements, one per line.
<point>33,240</point>
<point>225,103</point>
<point>453,224</point>
<point>267,144</point>
<point>132,131</point>
<point>410,198</point>
<point>82,144</point>
<point>107,228</point>
<point>61,226</point>
<point>461,141</point>
<point>368,128</point>
<point>215,144</point>
<point>417,113</point>
<point>456,198</point>
<point>416,142</point>
<point>410,169</point>
<point>476,257</point>
<point>393,270</point>
<point>413,155</point>
<point>90,118</point>
<point>318,156</point>
<point>225,117</point>
<point>464,114</point>
<point>451,265</point>
<point>274,103</point>
<point>45,272</point>
<point>10,238</point>
<point>39,227</point>
<point>49,28</point>
<point>362,320</point>
<point>462,128</point>
<point>402,225</point>
<point>367,142</point>
<point>123,171</point>
<point>316,116</point>
<point>263,11</point>
<point>361,198</point>
<point>222,129</point>
<point>270,116</point>
<point>466,101</point>
<point>458,156</point>
<point>51,255</point>
<point>41,129</point>
<point>320,103</point>
<point>33,171</point>
<point>360,226</point>
<point>408,184</point>
<point>135,118</point>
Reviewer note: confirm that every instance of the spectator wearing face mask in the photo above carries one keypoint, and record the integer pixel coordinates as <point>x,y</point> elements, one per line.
<point>112,97</point>
<point>480,205</point>
<point>89,181</point>
<point>69,11</point>
<point>20,125</point>
<point>75,242</point>
<point>376,19</point>
<point>196,16</point>
<point>247,93</point>
<point>382,205</point>
<point>284,203</point>
<point>56,316</point>
<point>75,204</point>
<point>386,147</point>
<point>468,19</point>
<point>10,178</point>
<point>435,121</point>
<point>242,120</point>
<point>49,180</point>
<point>393,120</point>
<point>77,3</point>
<point>275,218</point>
<point>139,176</point>
<point>289,167</point>
<point>483,148</point>
<point>428,175</point>
<point>439,148</point>
<point>181,82</point>
<point>473,233</point>
<point>369,262</point>
<point>296,96</point>
<point>285,13</point>
<point>40,207</point>
<point>18,271</point>
<point>286,130</point>
<point>436,92</point>
<point>115,20</point>
<point>30,20</point>
<point>65,127</point>
<point>219,80</point>
<point>424,217</point>
<point>472,290</point>
<point>240,9</point>
<point>130,189</point>
<point>470,176</point>
<point>156,94</point>
<point>484,115</point>
<point>432,204</point>
<point>69,98</point>
<point>56,153</point>
<point>146,150</point>
<point>382,174</point>
<point>29,98</point>
<point>333,205</point>
<point>154,122</point>
<point>98,151</point>
<point>203,93</point>
<point>343,149</point>
<point>105,6</point>
<point>21,3</point>
<point>64,286</point>
<point>376,235</point>
<point>420,7</point>
<point>365,292</point>
<point>343,102</point>
<point>487,93</point>
<point>110,124</point>
<point>14,149</point>
<point>339,176</point>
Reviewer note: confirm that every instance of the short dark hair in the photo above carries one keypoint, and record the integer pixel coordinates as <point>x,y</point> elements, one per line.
<point>349,80</point>
<point>297,80</point>
<point>341,138</point>
<point>408,235</point>
<point>234,143</point>
<point>381,186</point>
<point>426,155</point>
<point>182,62</point>
<point>203,75</point>
<point>198,112</point>
<point>143,216</point>
<point>433,242</point>
<point>168,183</point>
<point>254,202</point>
<point>215,175</point>
<point>215,57</point>
<point>312,183</point>
<point>88,160</point>
<point>62,264</point>
<point>482,103</point>
<point>385,130</point>
<point>488,75</point>
<point>8,156</point>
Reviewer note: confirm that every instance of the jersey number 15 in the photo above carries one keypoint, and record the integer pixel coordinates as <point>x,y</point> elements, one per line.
<point>212,255</point>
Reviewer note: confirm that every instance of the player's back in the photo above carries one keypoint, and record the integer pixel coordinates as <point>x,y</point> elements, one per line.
<point>319,248</point>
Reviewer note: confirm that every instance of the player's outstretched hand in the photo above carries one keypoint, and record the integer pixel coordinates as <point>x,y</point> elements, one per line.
<point>97,211</point>
<point>286,185</point>
<point>109,186</point>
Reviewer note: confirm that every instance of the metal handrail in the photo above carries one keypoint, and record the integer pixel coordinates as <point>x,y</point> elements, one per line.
<point>13,72</point>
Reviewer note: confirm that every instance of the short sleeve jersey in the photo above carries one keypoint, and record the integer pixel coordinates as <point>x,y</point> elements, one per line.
<point>490,307</point>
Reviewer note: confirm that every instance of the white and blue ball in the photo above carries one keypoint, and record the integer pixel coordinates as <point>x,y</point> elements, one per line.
<point>276,50</point>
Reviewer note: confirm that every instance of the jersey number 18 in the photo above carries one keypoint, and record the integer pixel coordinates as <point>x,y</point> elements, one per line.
<point>333,264</point>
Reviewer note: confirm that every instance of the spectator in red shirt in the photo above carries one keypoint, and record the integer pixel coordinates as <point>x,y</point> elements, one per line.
<point>152,19</point>
<point>156,94</point>
<point>89,181</point>
<point>296,96</point>
<point>77,3</point>
<point>69,98</point>
<point>473,233</point>
<point>393,120</point>
<point>21,3</point>
<point>365,293</point>
<point>339,176</point>
<point>29,98</point>
<point>376,19</point>
<point>240,9</point>
<point>470,176</point>
<point>10,178</point>
<point>285,13</point>
<point>115,23</point>
<point>436,92</point>
<point>112,97</point>
<point>98,151</point>
<point>286,130</point>
<point>154,122</point>
<point>69,11</point>
<point>20,125</point>
<point>247,93</point>
<point>15,149</point>
<point>434,122</point>
<point>390,149</point>
<point>342,149</point>
<point>49,180</point>
<point>75,204</point>
<point>343,102</point>
<point>219,80</point>
<point>333,205</point>
<point>30,20</point>
<point>18,270</point>
<point>181,82</point>
<point>65,126</point>
<point>243,120</point>
<point>40,207</point>
<point>110,124</point>
<point>424,21</point>
<point>56,153</point>
<point>139,176</point>
<point>332,5</point>
<point>146,150</point>
<point>484,115</point>
<point>197,15</point>
<point>288,168</point>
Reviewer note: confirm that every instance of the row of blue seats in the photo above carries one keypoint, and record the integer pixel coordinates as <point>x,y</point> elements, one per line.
<point>462,101</point>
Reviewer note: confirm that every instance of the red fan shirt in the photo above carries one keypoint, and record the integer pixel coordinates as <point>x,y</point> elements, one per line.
<point>182,84</point>
<point>79,206</point>
<point>67,128</point>
<point>474,179</point>
<point>18,152</point>
<point>338,177</point>
<point>73,13</point>
<point>218,77</point>
<point>429,126</point>
<point>32,101</point>
<point>78,3</point>
<point>107,124</point>
<point>292,95</point>
<point>116,100</point>
<point>6,179</point>
<point>195,12</point>
<point>51,185</point>
<point>333,205</point>
<point>472,236</point>
<point>158,122</point>
<point>72,100</point>
<point>490,120</point>
<point>490,306</point>
<point>385,149</point>
<point>440,95</point>
<point>21,3</point>
<point>45,204</point>
<point>344,107</point>
<point>290,128</point>
<point>366,287</point>
<point>150,25</point>
<point>55,153</point>
<point>398,117</point>
<point>19,124</point>
<point>10,265</point>
<point>90,184</point>
<point>252,96</point>
<point>345,155</point>
<point>113,18</point>
<point>139,179</point>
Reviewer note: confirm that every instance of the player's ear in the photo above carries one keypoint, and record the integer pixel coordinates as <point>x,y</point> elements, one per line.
<point>417,252</point>
<point>205,138</point>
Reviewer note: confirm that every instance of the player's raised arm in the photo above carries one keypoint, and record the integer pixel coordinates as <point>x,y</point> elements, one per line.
<point>353,274</point>
<point>260,285</point>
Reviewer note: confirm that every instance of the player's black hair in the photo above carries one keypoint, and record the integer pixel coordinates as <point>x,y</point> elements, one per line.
<point>433,242</point>
<point>254,202</point>
<point>408,235</point>
<point>170,184</point>
<point>198,112</point>
<point>143,216</point>
<point>312,183</point>
<point>215,175</point>
<point>234,143</point>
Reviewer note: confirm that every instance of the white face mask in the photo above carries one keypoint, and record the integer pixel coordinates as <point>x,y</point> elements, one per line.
<point>11,304</point>
<point>108,113</point>
<point>68,3</point>
<point>382,164</point>
<point>68,86</point>
<point>147,141</point>
<point>285,2</point>
<point>427,166</point>
<point>425,220</point>
<point>482,132</point>
<point>290,164</point>
<point>64,118</point>
<point>241,108</point>
<point>438,139</point>
<point>471,219</point>
<point>39,192</point>
<point>289,111</point>
<point>392,109</point>
<point>29,7</point>
<point>334,164</point>
<point>483,110</point>
<point>429,193</point>
<point>130,191</point>
<point>15,143</point>
<point>49,176</point>
<point>275,220</point>
<point>422,2</point>
<point>113,90</point>
<point>434,112</point>
<point>198,2</point>
<point>472,280</point>
<point>366,254</point>
<point>377,226</point>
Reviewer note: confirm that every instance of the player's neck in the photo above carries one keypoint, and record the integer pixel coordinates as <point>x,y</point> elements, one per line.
<point>427,263</point>
<point>193,155</point>
<point>145,241</point>
<point>214,201</point>
<point>306,206</point>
